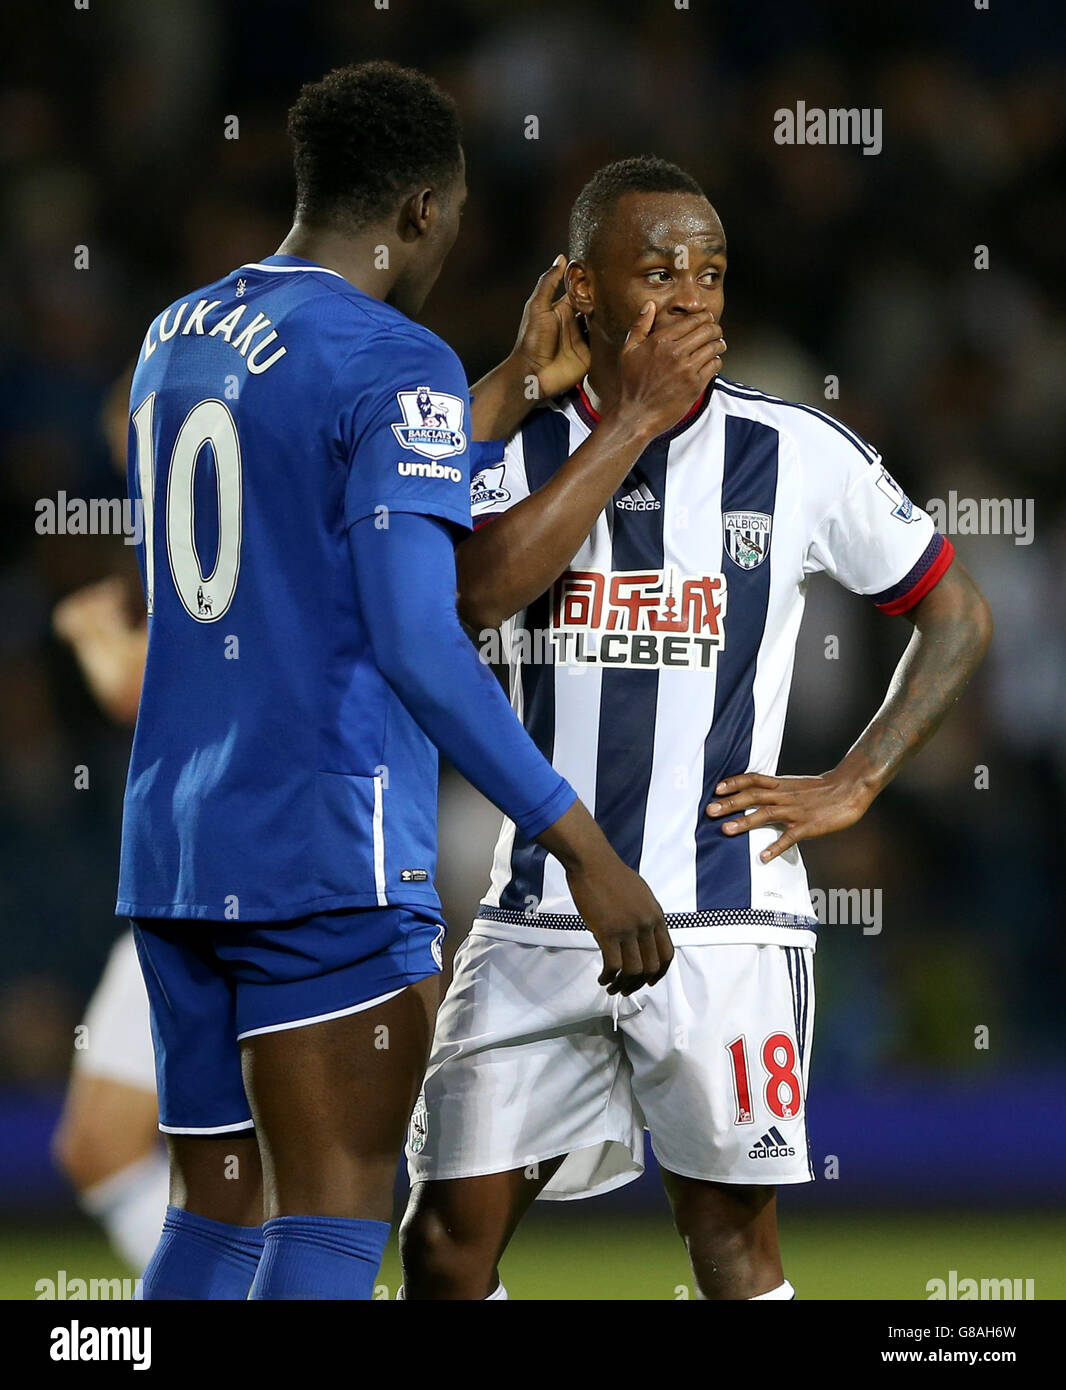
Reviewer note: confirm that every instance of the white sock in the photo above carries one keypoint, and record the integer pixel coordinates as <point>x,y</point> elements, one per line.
<point>498,1292</point>
<point>131,1205</point>
<point>784,1290</point>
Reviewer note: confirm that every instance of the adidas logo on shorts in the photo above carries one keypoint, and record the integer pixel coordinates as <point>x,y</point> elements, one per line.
<point>772,1145</point>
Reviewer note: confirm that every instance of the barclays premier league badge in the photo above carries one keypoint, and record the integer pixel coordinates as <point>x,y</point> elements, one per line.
<point>432,423</point>
<point>487,487</point>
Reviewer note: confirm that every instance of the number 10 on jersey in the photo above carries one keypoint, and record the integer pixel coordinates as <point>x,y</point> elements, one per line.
<point>205,597</point>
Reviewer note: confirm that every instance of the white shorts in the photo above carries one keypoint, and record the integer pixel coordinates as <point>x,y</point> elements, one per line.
<point>117,1041</point>
<point>533,1059</point>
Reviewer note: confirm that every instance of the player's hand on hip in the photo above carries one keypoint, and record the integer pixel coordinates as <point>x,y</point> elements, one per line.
<point>804,807</point>
<point>666,364</point>
<point>549,339</point>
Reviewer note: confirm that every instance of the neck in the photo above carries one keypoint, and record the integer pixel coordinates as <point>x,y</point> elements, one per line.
<point>604,376</point>
<point>350,256</point>
<point>603,382</point>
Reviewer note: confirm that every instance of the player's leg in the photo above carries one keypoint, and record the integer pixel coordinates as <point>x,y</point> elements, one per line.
<point>212,1234</point>
<point>335,1017</point>
<point>454,1232</point>
<point>331,1103</point>
<point>526,1066</point>
<point>730,1233</point>
<point>720,1054</point>
<point>107,1141</point>
<point>217,1176</point>
<point>108,1146</point>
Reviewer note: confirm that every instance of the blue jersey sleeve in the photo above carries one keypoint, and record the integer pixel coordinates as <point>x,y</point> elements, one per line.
<point>432,666</point>
<point>404,427</point>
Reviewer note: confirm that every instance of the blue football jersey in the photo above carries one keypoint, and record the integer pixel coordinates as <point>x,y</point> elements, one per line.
<point>274,772</point>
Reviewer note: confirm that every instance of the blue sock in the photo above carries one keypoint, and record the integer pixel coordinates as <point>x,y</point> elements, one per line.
<point>321,1257</point>
<point>199,1258</point>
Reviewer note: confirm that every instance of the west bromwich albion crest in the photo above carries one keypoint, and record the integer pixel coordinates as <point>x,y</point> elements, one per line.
<point>432,423</point>
<point>747,537</point>
<point>419,1126</point>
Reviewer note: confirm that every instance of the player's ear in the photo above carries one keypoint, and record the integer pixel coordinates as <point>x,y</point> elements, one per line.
<point>418,214</point>
<point>579,288</point>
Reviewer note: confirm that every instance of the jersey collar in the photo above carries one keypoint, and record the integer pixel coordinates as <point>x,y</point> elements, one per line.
<point>282,264</point>
<point>588,413</point>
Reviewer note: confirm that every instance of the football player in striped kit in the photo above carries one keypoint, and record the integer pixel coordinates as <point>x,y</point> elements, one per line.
<point>660,564</point>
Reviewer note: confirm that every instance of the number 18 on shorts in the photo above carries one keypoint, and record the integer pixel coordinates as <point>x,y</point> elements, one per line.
<point>532,1059</point>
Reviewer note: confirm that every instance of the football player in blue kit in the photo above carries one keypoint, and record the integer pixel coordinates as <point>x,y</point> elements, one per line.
<point>305,664</point>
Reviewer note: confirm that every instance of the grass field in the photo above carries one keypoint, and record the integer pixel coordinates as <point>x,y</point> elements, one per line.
<point>561,1255</point>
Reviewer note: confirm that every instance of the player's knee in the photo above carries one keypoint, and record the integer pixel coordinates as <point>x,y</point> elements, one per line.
<point>85,1154</point>
<point>438,1262</point>
<point>727,1246</point>
<point>731,1223</point>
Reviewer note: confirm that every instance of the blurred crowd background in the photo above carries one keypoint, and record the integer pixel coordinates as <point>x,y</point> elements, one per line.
<point>112,138</point>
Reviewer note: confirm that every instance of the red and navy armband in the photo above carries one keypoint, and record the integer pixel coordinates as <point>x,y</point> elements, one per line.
<point>922,577</point>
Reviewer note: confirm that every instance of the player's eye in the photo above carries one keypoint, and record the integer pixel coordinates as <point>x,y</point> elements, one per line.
<point>665,274</point>
<point>711,276</point>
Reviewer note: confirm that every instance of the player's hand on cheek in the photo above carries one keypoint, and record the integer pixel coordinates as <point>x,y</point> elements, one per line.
<point>805,807</point>
<point>549,339</point>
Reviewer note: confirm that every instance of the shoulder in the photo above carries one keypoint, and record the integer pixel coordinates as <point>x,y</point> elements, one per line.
<point>542,442</point>
<point>386,329</point>
<point>549,419</point>
<point>177,313</point>
<point>807,427</point>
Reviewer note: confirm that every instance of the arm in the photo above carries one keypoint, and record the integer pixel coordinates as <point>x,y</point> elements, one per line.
<point>504,566</point>
<point>952,630</point>
<point>457,702</point>
<point>109,646</point>
<point>549,356</point>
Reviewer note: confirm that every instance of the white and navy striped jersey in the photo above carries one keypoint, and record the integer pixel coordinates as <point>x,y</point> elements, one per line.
<point>661,661</point>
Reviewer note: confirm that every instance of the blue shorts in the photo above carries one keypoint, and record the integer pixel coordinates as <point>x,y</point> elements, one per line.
<point>210,984</point>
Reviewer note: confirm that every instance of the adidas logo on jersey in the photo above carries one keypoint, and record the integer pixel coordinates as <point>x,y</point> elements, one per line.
<point>640,499</point>
<point>772,1145</point>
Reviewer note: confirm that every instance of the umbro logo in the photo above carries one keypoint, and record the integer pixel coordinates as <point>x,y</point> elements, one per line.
<point>772,1145</point>
<point>640,499</point>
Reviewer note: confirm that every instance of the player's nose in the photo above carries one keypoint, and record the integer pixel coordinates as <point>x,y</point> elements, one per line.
<point>686,299</point>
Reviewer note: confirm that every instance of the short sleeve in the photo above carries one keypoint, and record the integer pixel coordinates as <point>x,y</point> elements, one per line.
<point>404,411</point>
<point>873,539</point>
<point>498,480</point>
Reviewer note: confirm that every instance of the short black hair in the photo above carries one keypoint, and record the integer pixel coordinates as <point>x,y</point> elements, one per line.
<point>366,135</point>
<point>644,173</point>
